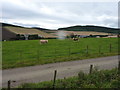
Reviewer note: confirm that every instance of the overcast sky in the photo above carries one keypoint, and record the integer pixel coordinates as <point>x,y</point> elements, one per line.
<point>53,15</point>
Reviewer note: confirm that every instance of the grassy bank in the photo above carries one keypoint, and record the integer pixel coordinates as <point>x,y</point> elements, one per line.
<point>98,79</point>
<point>31,52</point>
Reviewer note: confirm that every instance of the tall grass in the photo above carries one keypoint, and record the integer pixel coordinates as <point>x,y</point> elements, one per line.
<point>98,79</point>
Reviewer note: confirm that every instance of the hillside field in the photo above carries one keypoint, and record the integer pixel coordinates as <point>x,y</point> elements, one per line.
<point>20,30</point>
<point>27,53</point>
<point>68,33</point>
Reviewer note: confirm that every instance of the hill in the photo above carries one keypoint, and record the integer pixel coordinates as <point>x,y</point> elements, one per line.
<point>6,24</point>
<point>10,31</point>
<point>43,29</point>
<point>91,28</point>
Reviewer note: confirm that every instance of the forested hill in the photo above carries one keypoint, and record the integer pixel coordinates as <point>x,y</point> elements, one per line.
<point>92,28</point>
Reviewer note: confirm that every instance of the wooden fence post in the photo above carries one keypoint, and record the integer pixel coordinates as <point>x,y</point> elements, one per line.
<point>87,49</point>
<point>20,54</point>
<point>69,51</point>
<point>55,73</point>
<point>9,82</point>
<point>99,49</point>
<point>119,67</point>
<point>91,68</point>
<point>38,54</point>
<point>55,54</point>
<point>110,47</point>
<point>64,85</point>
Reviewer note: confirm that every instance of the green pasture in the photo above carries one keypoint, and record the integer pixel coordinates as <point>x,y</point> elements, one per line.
<point>31,52</point>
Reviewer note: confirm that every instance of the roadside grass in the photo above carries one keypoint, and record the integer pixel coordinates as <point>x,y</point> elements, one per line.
<point>97,79</point>
<point>28,53</point>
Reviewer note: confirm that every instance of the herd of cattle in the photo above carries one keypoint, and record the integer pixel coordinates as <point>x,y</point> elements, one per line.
<point>46,41</point>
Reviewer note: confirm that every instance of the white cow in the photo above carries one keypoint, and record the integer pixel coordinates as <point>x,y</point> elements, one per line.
<point>43,41</point>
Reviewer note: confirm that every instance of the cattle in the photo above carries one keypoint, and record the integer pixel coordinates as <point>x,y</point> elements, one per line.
<point>43,41</point>
<point>118,35</point>
<point>75,39</point>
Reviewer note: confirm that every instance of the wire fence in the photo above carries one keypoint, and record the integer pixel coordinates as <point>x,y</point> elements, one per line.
<point>90,71</point>
<point>38,54</point>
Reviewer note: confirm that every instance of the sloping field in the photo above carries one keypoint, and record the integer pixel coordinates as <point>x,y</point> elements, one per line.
<point>79,32</point>
<point>86,32</point>
<point>20,30</point>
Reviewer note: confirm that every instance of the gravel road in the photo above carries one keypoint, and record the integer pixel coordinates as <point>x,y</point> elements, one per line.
<point>45,72</point>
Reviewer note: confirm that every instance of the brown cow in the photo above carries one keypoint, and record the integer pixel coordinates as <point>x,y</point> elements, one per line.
<point>75,39</point>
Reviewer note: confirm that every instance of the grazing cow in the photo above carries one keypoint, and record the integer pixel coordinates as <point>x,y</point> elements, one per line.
<point>118,35</point>
<point>43,41</point>
<point>75,39</point>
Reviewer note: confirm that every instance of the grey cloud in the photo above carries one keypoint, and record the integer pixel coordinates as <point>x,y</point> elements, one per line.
<point>26,25</point>
<point>65,13</point>
<point>111,22</point>
<point>14,12</point>
<point>20,13</point>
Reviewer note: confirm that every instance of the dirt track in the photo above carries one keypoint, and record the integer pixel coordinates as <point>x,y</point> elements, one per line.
<point>64,69</point>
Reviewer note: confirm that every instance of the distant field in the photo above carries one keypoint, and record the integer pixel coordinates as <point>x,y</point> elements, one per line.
<point>20,30</point>
<point>86,32</point>
<point>79,33</point>
<point>31,52</point>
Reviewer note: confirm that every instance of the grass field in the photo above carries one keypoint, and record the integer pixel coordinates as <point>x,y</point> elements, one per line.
<point>98,79</point>
<point>31,52</point>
